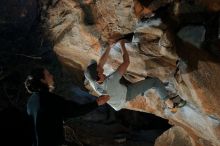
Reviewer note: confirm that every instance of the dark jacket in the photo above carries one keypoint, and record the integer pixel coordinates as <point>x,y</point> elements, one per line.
<point>47,111</point>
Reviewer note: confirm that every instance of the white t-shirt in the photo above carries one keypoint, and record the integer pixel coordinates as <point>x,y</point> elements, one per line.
<point>112,87</point>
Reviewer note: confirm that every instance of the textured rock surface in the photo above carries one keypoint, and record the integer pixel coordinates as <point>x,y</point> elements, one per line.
<point>79,29</point>
<point>173,137</point>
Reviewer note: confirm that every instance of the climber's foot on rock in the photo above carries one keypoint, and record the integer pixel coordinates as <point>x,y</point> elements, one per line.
<point>174,103</point>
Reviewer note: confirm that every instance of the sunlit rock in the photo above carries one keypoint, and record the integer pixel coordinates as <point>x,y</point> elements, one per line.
<point>155,51</point>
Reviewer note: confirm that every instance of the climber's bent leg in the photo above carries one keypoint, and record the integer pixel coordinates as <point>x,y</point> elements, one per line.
<point>140,87</point>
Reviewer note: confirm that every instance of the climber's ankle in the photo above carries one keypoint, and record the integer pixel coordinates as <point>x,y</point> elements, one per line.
<point>169,103</point>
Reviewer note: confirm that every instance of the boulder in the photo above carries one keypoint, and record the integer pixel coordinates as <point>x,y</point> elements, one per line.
<point>157,51</point>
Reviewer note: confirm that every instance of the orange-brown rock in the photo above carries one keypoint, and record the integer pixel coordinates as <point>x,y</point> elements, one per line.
<point>154,54</point>
<point>175,136</point>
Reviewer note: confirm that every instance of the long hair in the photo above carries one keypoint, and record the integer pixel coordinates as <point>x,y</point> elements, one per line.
<point>33,81</point>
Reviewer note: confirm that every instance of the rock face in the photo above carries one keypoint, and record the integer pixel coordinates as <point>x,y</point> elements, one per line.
<point>80,28</point>
<point>173,137</point>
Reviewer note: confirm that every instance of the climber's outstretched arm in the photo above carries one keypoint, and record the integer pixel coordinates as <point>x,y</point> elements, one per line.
<point>126,61</point>
<point>104,57</point>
